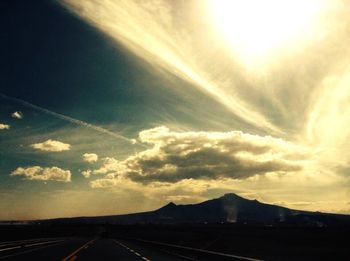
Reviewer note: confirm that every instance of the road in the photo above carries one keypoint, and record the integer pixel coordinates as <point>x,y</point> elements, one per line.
<point>89,249</point>
<point>69,249</point>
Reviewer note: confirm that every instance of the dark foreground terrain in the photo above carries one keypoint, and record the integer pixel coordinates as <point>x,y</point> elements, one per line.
<point>225,228</point>
<point>172,242</point>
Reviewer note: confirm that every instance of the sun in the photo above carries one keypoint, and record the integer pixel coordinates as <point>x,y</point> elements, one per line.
<point>256,28</point>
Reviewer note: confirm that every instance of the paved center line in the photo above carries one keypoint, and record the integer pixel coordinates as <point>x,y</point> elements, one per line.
<point>132,251</point>
<point>72,255</point>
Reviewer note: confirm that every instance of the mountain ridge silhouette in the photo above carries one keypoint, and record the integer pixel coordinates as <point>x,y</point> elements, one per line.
<point>229,208</point>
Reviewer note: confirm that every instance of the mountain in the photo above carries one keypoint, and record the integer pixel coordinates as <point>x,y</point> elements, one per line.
<point>229,208</point>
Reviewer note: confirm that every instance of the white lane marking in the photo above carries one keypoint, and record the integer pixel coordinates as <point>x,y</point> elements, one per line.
<point>42,243</point>
<point>9,248</point>
<point>23,241</point>
<point>28,251</point>
<point>16,242</point>
<point>28,245</point>
<point>133,251</point>
<point>27,241</point>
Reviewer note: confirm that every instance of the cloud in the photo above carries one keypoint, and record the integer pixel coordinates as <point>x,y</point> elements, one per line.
<point>51,145</point>
<point>152,32</point>
<point>105,183</point>
<point>17,115</point>
<point>90,157</point>
<point>66,118</point>
<point>4,126</point>
<point>86,173</point>
<point>40,173</point>
<point>177,156</point>
<point>109,165</point>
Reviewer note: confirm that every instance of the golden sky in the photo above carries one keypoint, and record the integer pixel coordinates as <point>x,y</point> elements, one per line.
<point>273,106</point>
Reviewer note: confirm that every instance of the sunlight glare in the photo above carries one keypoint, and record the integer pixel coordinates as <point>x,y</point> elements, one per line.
<point>255,28</point>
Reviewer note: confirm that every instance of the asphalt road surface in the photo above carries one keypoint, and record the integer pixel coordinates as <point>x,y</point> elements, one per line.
<point>68,249</point>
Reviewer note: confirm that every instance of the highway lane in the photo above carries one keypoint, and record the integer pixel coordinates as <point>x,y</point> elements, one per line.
<point>87,249</point>
<point>55,249</point>
<point>7,244</point>
<point>110,249</point>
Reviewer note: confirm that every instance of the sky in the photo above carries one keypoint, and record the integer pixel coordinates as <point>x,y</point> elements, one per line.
<point>111,107</point>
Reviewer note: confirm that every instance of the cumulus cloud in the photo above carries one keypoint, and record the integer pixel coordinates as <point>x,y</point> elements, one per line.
<point>90,157</point>
<point>105,183</point>
<point>86,173</point>
<point>109,165</point>
<point>40,173</point>
<point>17,115</point>
<point>4,126</point>
<point>51,145</point>
<point>177,156</point>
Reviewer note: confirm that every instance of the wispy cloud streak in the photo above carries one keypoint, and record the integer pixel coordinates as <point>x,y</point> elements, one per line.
<point>289,101</point>
<point>68,119</point>
<point>148,30</point>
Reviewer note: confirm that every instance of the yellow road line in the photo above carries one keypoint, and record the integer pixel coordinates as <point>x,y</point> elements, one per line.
<point>72,255</point>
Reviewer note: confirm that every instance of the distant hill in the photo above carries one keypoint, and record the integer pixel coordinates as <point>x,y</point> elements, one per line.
<point>229,208</point>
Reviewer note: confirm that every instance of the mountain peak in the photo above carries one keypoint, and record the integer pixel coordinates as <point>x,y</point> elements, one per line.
<point>229,208</point>
<point>170,205</point>
<point>230,196</point>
